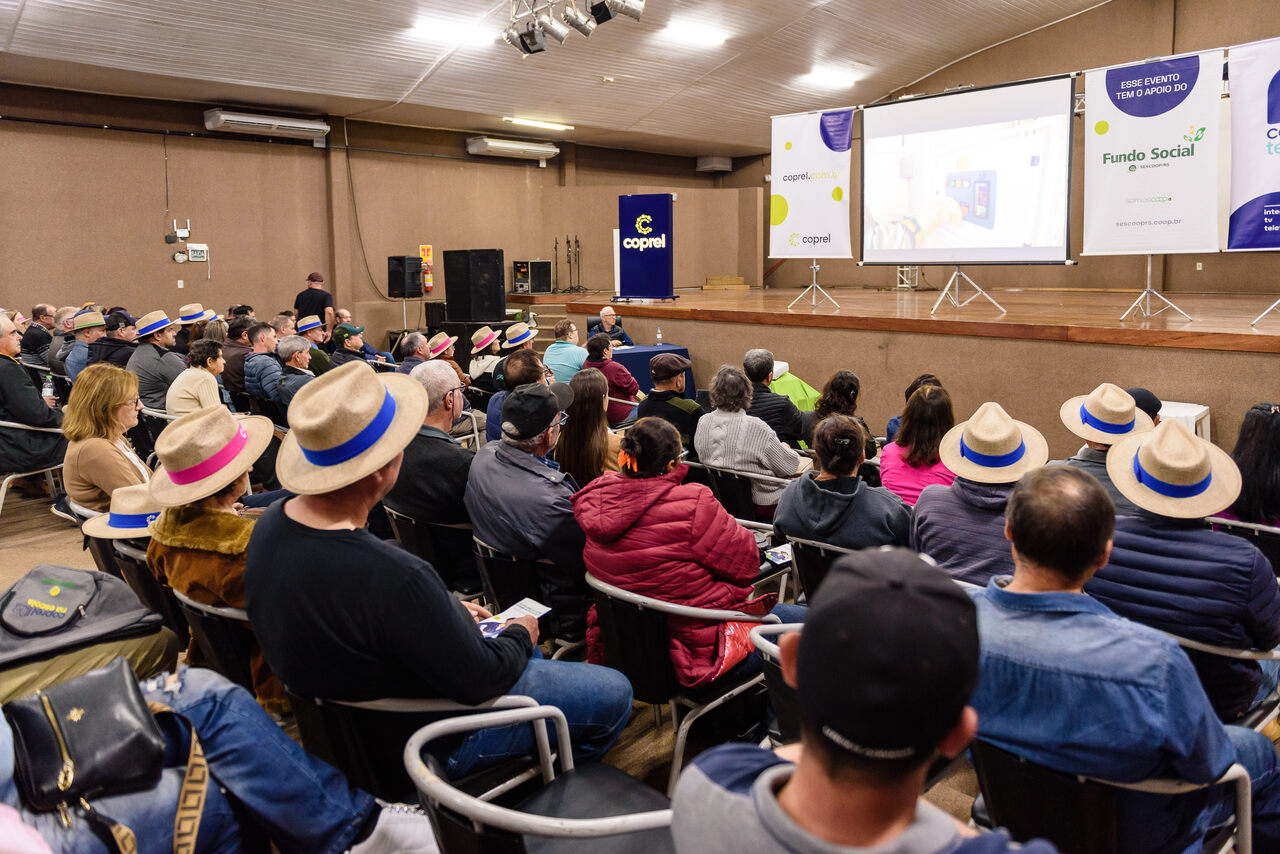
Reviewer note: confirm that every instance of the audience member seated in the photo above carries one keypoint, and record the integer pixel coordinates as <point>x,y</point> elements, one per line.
<point>730,438</point>
<point>295,352</point>
<point>803,395</point>
<point>264,786</point>
<point>343,615</point>
<point>103,407</point>
<point>88,328</point>
<point>649,532</point>
<point>519,501</point>
<point>883,671</point>
<point>262,369</point>
<point>312,329</point>
<point>610,324</point>
<point>1066,683</point>
<point>840,397</point>
<point>198,544</point>
<point>587,448</point>
<point>433,477</point>
<point>485,353</point>
<point>348,345</point>
<point>216,330</point>
<point>243,311</point>
<point>191,320</point>
<point>961,526</point>
<point>38,336</point>
<point>20,401</point>
<point>563,356</point>
<point>236,350</point>
<point>1170,572</point>
<point>773,409</point>
<point>519,336</point>
<point>891,429</point>
<point>197,386</point>
<point>441,347</point>
<point>910,462</point>
<point>834,505</point>
<point>154,361</point>
<point>62,339</point>
<point>1147,401</point>
<point>116,346</point>
<point>522,367</point>
<point>413,352</point>
<point>371,354</point>
<point>623,387</point>
<point>667,400</point>
<point>1257,455</point>
<point>1103,417</point>
<point>284,325</point>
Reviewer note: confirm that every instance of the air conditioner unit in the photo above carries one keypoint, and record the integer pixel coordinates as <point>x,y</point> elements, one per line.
<point>230,122</point>
<point>490,147</point>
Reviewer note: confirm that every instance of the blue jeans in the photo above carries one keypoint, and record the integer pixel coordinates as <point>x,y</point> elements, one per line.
<point>1258,755</point>
<point>301,803</point>
<point>596,702</point>
<point>1270,680</point>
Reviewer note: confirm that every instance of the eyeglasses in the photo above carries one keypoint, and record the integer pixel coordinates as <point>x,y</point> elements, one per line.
<point>133,401</point>
<point>549,374</point>
<point>564,416</point>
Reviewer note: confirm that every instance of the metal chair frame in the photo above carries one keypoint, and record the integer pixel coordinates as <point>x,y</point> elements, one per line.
<point>1270,708</point>
<point>482,551</point>
<point>51,474</point>
<point>394,515</point>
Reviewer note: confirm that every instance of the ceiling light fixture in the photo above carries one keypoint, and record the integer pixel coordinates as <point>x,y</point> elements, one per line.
<point>578,19</point>
<point>534,123</point>
<point>630,8</point>
<point>527,40</point>
<point>453,32</point>
<point>829,77</point>
<point>694,34</point>
<point>532,21</point>
<point>552,27</point>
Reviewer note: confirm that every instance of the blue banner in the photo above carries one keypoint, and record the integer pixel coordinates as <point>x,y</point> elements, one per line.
<point>645,228</point>
<point>1255,147</point>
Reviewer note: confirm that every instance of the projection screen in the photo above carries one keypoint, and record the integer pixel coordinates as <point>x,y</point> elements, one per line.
<point>974,177</point>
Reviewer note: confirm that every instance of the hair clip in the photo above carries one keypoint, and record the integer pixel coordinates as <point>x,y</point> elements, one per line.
<point>843,440</point>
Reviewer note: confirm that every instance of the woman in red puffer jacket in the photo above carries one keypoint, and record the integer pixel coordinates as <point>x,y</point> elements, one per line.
<point>652,534</point>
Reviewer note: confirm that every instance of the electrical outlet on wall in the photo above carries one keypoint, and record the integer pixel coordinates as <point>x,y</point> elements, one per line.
<point>1199,266</point>
<point>179,284</point>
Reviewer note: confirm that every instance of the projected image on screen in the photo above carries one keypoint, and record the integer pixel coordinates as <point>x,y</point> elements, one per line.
<point>974,177</point>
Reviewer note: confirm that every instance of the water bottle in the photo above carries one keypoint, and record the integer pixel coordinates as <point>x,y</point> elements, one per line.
<point>659,337</point>
<point>46,390</point>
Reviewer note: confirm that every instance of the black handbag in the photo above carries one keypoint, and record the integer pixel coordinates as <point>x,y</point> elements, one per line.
<point>89,737</point>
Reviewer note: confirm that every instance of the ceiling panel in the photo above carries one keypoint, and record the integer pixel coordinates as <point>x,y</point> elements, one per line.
<point>363,58</point>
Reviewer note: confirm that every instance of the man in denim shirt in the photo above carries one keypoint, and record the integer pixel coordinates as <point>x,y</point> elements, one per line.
<point>1068,684</point>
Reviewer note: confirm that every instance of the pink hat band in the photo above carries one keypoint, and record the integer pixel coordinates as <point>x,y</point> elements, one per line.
<point>493,336</point>
<point>445,345</point>
<point>215,463</point>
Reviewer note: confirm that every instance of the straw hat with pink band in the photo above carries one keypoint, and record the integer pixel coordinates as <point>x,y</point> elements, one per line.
<point>1173,472</point>
<point>440,342</point>
<point>133,509</point>
<point>194,312</point>
<point>345,425</point>
<point>204,451</point>
<point>482,338</point>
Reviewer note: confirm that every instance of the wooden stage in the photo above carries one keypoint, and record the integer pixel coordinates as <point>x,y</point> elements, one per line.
<point>1219,321</point>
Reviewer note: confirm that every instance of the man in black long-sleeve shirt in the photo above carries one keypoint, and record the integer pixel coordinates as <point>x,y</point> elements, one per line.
<point>773,409</point>
<point>342,615</point>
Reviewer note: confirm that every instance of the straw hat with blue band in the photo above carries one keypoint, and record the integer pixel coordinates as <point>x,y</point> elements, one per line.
<point>517,334</point>
<point>204,451</point>
<point>1105,415</point>
<point>308,323</point>
<point>152,322</point>
<point>132,512</point>
<point>345,425</point>
<point>194,312</point>
<point>993,448</point>
<point>1173,472</point>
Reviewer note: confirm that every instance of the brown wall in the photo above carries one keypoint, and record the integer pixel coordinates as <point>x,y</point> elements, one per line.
<point>1121,31</point>
<point>1030,379</point>
<point>83,210</point>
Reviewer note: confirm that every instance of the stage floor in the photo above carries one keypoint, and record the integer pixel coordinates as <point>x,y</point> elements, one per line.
<point>1219,321</point>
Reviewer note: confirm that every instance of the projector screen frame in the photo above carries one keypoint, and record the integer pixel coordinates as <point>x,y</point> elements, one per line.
<point>862,176</point>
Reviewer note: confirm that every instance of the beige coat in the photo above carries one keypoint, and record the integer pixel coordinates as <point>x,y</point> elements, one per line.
<point>195,388</point>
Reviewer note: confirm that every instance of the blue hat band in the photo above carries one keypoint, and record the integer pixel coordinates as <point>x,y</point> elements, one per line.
<point>137,521</point>
<point>520,339</point>
<point>992,461</point>
<point>308,327</point>
<point>152,327</point>
<point>1163,487</point>
<point>187,317</point>
<point>1105,426</point>
<point>360,442</point>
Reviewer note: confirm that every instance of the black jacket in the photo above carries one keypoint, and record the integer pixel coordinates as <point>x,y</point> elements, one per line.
<point>431,486</point>
<point>342,356</point>
<point>20,401</point>
<point>778,412</point>
<point>111,350</point>
<point>58,351</point>
<point>36,341</point>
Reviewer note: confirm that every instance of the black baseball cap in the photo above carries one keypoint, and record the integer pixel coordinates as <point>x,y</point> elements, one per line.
<point>118,320</point>
<point>888,656</point>
<point>530,408</point>
<point>1146,401</point>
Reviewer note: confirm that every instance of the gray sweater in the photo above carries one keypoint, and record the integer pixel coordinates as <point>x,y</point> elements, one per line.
<point>844,512</point>
<point>961,526</point>
<point>742,442</point>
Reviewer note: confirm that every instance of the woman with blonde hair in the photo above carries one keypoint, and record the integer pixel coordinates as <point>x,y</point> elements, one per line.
<point>104,405</point>
<point>587,449</point>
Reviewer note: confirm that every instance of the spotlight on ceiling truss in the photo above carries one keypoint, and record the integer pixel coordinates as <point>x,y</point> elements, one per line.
<point>533,21</point>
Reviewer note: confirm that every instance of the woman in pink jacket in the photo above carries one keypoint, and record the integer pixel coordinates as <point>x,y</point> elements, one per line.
<point>649,532</point>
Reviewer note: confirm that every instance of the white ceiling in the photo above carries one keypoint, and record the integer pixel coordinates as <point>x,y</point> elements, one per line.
<point>364,58</point>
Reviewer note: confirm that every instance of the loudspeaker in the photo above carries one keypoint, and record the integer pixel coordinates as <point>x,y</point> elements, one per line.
<point>404,276</point>
<point>475,284</point>
<point>539,277</point>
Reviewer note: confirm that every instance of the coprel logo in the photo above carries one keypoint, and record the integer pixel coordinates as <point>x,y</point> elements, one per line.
<point>642,243</point>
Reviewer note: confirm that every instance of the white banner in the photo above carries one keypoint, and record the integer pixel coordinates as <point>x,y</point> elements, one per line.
<point>809,205</point>
<point>1255,147</point>
<point>1151,157</point>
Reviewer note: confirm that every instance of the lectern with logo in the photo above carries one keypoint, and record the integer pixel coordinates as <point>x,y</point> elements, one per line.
<point>645,232</point>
